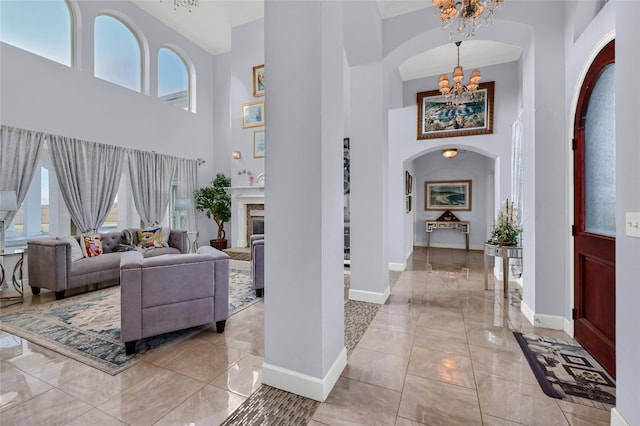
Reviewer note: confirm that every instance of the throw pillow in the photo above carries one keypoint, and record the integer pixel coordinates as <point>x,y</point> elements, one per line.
<point>76,251</point>
<point>91,245</point>
<point>165,236</point>
<point>149,238</point>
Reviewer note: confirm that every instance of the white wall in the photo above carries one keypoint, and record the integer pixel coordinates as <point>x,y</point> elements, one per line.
<point>403,146</point>
<point>39,94</point>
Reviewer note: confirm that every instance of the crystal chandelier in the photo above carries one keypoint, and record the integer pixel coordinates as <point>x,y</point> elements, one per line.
<point>185,3</point>
<point>459,93</point>
<point>466,13</point>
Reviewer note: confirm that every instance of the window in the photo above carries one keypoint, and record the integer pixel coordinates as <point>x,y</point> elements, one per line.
<point>40,27</point>
<point>117,53</point>
<point>173,78</point>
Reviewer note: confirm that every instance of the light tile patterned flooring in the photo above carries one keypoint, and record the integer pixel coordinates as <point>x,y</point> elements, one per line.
<point>439,352</point>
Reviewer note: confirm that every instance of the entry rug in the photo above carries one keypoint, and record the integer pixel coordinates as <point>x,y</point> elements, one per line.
<point>87,327</point>
<point>565,370</point>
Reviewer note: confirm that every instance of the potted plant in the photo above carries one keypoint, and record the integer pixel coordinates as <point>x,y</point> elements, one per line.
<point>506,228</point>
<point>215,201</point>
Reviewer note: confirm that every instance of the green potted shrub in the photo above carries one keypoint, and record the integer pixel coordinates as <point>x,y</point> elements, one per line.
<point>215,202</point>
<point>506,228</point>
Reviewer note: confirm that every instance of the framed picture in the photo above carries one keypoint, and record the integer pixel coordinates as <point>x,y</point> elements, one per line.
<point>253,114</point>
<point>408,183</point>
<point>346,164</point>
<point>258,80</point>
<point>439,119</point>
<point>407,206</point>
<point>447,195</point>
<point>258,144</point>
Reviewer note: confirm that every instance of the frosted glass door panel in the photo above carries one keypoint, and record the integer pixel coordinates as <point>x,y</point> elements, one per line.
<point>600,157</point>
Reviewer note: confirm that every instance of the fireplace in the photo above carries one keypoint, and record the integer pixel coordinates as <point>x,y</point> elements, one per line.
<point>255,219</point>
<point>247,205</point>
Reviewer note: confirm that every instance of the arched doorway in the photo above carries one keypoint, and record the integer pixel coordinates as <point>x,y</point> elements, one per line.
<point>594,211</point>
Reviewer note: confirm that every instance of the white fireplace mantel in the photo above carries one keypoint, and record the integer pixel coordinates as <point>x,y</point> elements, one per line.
<point>241,196</point>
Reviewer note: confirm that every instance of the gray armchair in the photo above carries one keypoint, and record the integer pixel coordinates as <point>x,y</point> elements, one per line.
<point>173,292</point>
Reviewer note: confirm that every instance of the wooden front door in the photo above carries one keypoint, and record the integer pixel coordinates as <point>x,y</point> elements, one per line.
<point>595,201</point>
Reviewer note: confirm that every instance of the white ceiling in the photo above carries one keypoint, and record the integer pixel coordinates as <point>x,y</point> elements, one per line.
<point>209,26</point>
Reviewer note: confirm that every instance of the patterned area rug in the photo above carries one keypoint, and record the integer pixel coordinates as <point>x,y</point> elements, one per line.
<point>565,370</point>
<point>239,253</point>
<point>87,327</point>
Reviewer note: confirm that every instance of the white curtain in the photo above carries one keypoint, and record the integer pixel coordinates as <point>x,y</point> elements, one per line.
<point>186,178</point>
<point>516,167</point>
<point>89,175</point>
<point>19,151</point>
<point>151,179</point>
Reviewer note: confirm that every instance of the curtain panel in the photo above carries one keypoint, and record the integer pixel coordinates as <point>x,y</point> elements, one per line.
<point>88,175</point>
<point>19,152</point>
<point>151,179</point>
<point>186,179</point>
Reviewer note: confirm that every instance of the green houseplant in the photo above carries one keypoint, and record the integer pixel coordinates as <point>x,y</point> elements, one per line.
<point>215,202</point>
<point>506,228</point>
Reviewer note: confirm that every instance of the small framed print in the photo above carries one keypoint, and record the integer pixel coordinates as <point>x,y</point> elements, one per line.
<point>253,114</point>
<point>258,80</point>
<point>258,144</point>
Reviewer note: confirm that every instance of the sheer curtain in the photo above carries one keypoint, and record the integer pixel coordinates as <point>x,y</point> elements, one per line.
<point>19,151</point>
<point>186,178</point>
<point>89,175</point>
<point>151,179</point>
<point>516,167</point>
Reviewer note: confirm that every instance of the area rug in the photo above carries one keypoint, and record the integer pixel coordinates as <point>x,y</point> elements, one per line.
<point>565,370</point>
<point>87,327</point>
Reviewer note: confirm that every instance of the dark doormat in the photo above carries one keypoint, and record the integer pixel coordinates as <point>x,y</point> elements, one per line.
<point>565,370</point>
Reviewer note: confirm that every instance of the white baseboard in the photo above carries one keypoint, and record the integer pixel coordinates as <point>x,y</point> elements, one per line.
<point>617,419</point>
<point>553,322</point>
<point>527,312</point>
<point>370,296</point>
<point>568,327</point>
<point>394,266</point>
<point>302,384</point>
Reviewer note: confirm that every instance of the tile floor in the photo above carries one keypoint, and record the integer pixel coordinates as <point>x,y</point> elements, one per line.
<point>440,352</point>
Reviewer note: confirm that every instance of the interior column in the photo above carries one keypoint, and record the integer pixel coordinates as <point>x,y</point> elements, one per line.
<point>304,300</point>
<point>368,167</point>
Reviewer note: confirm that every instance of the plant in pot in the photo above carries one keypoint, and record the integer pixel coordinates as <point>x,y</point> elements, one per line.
<point>506,228</point>
<point>215,202</point>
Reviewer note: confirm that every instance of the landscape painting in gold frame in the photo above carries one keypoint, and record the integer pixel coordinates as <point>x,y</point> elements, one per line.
<point>438,118</point>
<point>447,195</point>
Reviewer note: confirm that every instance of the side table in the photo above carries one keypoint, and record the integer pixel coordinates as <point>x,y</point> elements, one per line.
<point>16,276</point>
<point>506,253</point>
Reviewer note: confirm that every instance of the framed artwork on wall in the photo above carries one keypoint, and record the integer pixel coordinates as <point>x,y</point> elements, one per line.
<point>437,118</point>
<point>447,195</point>
<point>258,144</point>
<point>407,206</point>
<point>408,183</point>
<point>258,80</point>
<point>253,114</point>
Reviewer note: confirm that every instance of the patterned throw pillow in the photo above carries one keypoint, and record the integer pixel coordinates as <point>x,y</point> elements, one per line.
<point>91,245</point>
<point>149,238</point>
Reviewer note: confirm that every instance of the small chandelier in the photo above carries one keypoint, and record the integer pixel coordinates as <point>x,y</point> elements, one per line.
<point>449,152</point>
<point>459,93</point>
<point>466,13</point>
<point>186,3</point>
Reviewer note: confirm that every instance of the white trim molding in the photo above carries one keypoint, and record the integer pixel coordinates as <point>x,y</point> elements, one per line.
<point>303,384</point>
<point>370,296</point>
<point>617,419</point>
<point>396,266</point>
<point>527,312</point>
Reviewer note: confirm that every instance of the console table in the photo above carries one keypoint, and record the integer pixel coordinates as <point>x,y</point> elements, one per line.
<point>506,253</point>
<point>16,277</point>
<point>447,224</point>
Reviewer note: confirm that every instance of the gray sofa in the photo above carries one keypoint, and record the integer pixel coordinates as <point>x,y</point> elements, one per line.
<point>50,264</point>
<point>257,263</point>
<point>169,293</point>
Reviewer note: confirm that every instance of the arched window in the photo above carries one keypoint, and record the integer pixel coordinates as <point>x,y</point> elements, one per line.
<point>173,78</point>
<point>40,27</point>
<point>117,53</point>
